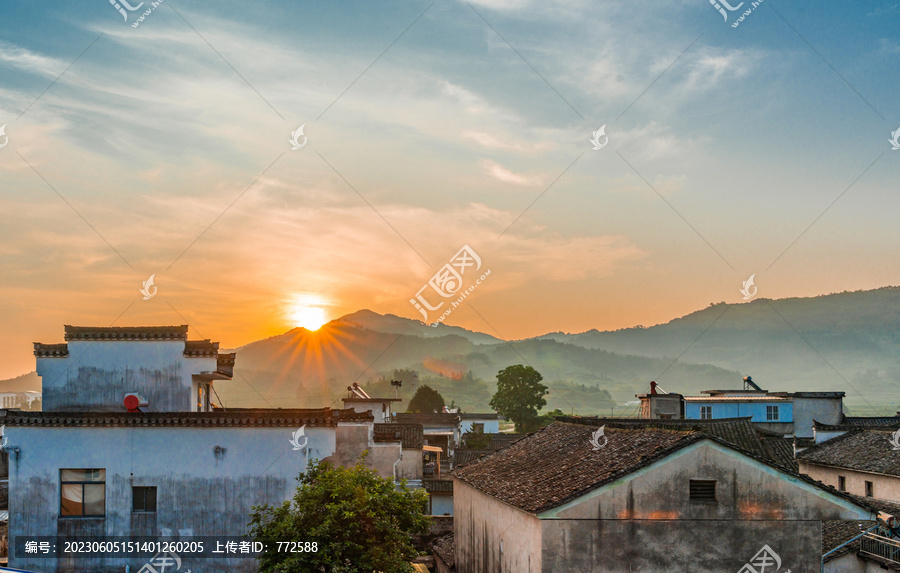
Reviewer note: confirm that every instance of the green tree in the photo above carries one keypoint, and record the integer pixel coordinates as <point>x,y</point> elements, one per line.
<point>549,417</point>
<point>358,520</point>
<point>520,395</point>
<point>426,400</point>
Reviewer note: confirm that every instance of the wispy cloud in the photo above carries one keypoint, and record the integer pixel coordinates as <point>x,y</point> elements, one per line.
<point>505,175</point>
<point>29,61</point>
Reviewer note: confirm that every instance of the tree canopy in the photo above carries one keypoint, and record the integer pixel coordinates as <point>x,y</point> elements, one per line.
<point>426,400</point>
<point>520,395</point>
<point>359,522</point>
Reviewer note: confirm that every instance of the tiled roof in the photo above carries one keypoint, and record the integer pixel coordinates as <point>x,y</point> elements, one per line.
<point>126,332</point>
<point>836,532</point>
<point>502,440</point>
<point>51,350</point>
<point>769,398</point>
<point>465,456</point>
<point>438,485</point>
<point>427,420</point>
<point>409,435</point>
<point>781,451</point>
<point>475,416</point>
<point>558,464</point>
<point>293,418</point>
<point>200,348</point>
<point>445,549</point>
<point>866,450</point>
<point>225,364</point>
<point>885,505</point>
<point>849,423</point>
<point>738,431</point>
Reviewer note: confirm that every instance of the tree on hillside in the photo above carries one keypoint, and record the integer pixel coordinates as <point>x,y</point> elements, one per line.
<point>358,521</point>
<point>549,417</point>
<point>426,400</point>
<point>520,395</point>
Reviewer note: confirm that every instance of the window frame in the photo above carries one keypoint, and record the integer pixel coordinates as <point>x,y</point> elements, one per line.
<point>147,488</point>
<point>772,413</point>
<point>706,413</point>
<point>870,489</point>
<point>82,483</point>
<point>842,483</point>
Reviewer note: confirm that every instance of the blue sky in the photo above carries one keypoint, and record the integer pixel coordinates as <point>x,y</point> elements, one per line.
<point>725,145</point>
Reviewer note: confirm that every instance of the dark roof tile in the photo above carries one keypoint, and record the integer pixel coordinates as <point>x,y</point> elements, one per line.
<point>409,435</point>
<point>445,548</point>
<point>558,463</point>
<point>427,420</point>
<point>293,418</point>
<point>126,332</point>
<point>866,450</point>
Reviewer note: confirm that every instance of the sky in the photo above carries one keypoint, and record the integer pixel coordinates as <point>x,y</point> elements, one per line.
<point>162,147</point>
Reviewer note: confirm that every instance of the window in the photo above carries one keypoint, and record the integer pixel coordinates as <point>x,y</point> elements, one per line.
<point>842,483</point>
<point>869,492</point>
<point>478,427</point>
<point>144,499</point>
<point>706,412</point>
<point>771,413</point>
<point>82,493</point>
<point>703,490</point>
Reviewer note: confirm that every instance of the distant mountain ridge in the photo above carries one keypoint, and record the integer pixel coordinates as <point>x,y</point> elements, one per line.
<point>847,341</point>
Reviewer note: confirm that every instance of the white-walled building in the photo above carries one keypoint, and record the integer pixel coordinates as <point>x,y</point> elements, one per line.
<point>98,366</point>
<point>863,462</point>
<point>130,444</point>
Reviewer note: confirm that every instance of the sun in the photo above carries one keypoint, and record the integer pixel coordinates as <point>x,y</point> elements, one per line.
<point>309,317</point>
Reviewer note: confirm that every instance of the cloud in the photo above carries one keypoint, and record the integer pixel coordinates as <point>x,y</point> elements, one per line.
<point>29,61</point>
<point>503,174</point>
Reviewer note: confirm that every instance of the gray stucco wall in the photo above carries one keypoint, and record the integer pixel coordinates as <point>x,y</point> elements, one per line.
<point>357,438</point>
<point>96,376</point>
<point>199,493</point>
<point>824,410</point>
<point>493,537</point>
<point>647,522</point>
<point>410,467</point>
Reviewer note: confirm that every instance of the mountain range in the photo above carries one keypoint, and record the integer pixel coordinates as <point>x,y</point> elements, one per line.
<point>846,341</point>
